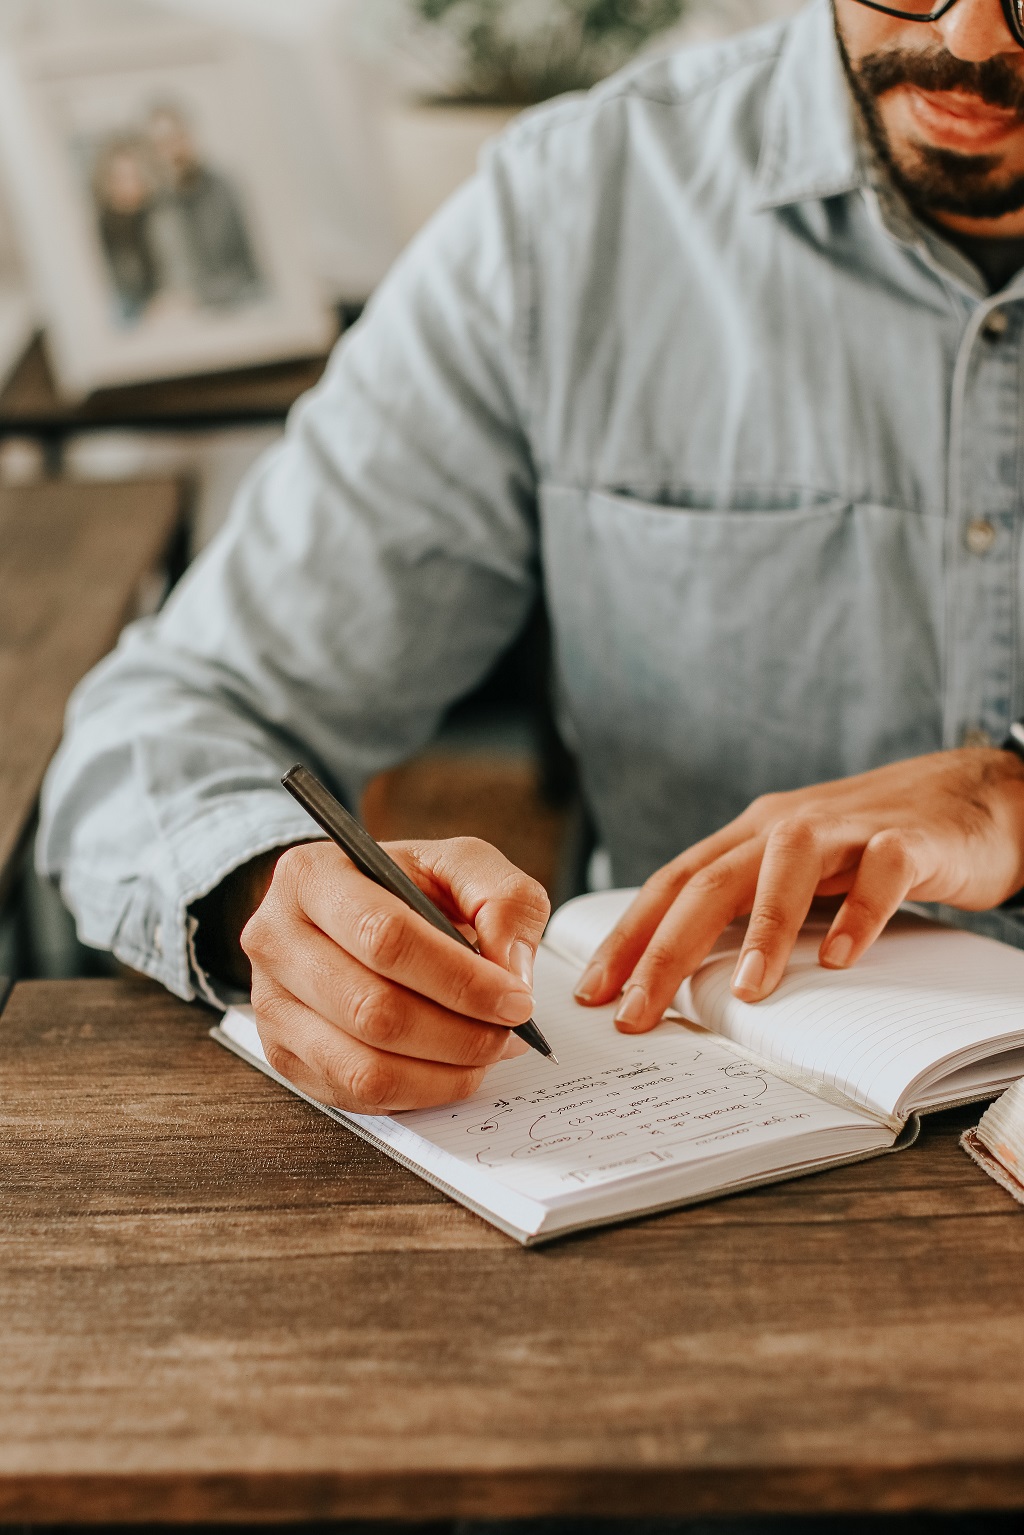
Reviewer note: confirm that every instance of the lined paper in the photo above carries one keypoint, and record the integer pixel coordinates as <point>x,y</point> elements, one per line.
<point>919,1002</point>
<point>923,1001</point>
<point>644,1121</point>
<point>616,1107</point>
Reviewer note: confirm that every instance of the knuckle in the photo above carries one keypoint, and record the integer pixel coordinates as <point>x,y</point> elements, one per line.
<point>462,994</point>
<point>256,935</point>
<point>799,834</point>
<point>469,855</point>
<point>293,871</point>
<point>465,1084</point>
<point>288,863</point>
<point>670,878</point>
<point>534,900</point>
<point>893,846</point>
<point>376,1016</point>
<point>482,1046</point>
<point>382,938</point>
<point>865,910</point>
<point>613,950</point>
<point>279,1057</point>
<point>526,894</point>
<point>370,1083</point>
<point>661,954</point>
<point>509,882</point>
<point>711,881</point>
<point>769,921</point>
<point>766,807</point>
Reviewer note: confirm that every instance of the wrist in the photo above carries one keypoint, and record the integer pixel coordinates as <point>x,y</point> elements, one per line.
<point>223,913</point>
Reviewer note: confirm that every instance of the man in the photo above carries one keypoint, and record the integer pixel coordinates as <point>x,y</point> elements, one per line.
<point>714,356</point>
<point>204,236</point>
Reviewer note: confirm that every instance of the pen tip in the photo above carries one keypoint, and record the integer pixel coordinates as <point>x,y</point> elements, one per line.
<point>553,1057</point>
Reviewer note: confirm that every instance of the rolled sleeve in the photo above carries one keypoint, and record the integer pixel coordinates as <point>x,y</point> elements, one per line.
<point>374,565</point>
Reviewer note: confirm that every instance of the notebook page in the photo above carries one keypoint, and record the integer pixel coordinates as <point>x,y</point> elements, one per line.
<point>922,999</point>
<point>617,1106</point>
<point>923,995</point>
<point>615,1109</point>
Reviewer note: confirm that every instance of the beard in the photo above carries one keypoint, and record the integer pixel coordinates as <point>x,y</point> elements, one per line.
<point>939,180</point>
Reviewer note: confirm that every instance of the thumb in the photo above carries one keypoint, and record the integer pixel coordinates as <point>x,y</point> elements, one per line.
<point>474,883</point>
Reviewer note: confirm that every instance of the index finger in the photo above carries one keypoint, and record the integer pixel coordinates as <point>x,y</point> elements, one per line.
<point>381,932</point>
<point>473,882</point>
<point>616,958</point>
<point>686,935</point>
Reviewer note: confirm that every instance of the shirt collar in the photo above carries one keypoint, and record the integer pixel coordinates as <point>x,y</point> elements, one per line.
<point>815,147</point>
<point>811,145</point>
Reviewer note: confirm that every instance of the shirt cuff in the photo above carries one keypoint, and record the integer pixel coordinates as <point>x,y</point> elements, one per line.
<point>1005,925</point>
<point>154,932</point>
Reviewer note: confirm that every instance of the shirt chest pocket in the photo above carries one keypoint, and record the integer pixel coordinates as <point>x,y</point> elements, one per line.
<point>773,642</point>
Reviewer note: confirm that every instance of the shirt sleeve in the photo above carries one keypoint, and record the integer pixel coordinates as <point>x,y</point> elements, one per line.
<point>374,565</point>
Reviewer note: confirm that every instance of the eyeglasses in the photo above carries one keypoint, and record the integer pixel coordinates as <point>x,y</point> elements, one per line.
<point>926,10</point>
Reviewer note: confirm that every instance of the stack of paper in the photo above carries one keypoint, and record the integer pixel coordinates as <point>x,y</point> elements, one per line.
<point>997,1144</point>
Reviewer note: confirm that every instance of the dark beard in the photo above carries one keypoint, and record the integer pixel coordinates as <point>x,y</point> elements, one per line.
<point>939,180</point>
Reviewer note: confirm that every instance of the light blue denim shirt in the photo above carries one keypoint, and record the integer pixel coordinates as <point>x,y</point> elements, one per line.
<point>675,356</point>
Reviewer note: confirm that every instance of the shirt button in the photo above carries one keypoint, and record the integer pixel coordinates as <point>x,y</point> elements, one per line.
<point>977,737</point>
<point>980,535</point>
<point>996,325</point>
<point>158,939</point>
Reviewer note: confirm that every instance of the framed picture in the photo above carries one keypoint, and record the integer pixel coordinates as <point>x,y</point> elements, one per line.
<point>328,97</point>
<point>156,207</point>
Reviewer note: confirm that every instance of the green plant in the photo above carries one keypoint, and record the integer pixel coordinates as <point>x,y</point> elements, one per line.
<point>521,51</point>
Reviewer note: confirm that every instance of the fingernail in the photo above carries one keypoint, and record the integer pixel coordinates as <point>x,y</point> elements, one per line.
<point>632,1007</point>
<point>515,1007</point>
<point>749,972</point>
<point>520,962</point>
<point>590,981</point>
<point>837,951</point>
<point>514,1048</point>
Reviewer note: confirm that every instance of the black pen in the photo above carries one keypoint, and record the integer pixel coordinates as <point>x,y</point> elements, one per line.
<point>370,859</point>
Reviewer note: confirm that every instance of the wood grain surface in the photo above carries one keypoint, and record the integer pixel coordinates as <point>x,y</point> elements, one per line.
<point>29,403</point>
<point>72,557</point>
<point>218,1305</point>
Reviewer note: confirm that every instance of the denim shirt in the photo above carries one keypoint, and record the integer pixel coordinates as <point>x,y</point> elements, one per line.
<point>676,355</point>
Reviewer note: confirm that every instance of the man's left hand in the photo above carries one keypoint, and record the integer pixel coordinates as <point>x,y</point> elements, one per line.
<point>947,827</point>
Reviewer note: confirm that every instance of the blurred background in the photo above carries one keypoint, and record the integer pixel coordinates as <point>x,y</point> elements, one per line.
<point>197,197</point>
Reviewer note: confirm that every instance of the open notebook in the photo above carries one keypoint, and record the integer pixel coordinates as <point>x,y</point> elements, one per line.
<point>721,1096</point>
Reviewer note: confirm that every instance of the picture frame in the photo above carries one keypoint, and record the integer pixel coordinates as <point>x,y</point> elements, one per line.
<point>156,207</point>
<point>329,97</point>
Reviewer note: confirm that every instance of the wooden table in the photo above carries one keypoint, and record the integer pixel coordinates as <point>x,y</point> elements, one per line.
<point>30,405</point>
<point>72,558</point>
<point>216,1304</point>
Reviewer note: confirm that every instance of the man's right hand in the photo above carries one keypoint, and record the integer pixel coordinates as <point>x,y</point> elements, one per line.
<point>362,1004</point>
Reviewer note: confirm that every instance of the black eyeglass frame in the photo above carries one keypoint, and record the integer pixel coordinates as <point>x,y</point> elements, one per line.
<point>1013,10</point>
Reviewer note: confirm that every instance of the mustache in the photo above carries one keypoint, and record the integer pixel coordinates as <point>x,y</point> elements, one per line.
<point>991,80</point>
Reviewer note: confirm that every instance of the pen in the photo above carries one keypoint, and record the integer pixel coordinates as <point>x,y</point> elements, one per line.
<point>370,859</point>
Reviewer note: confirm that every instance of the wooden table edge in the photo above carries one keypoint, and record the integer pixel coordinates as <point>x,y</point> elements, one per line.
<point>272,1497</point>
<point>172,522</point>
